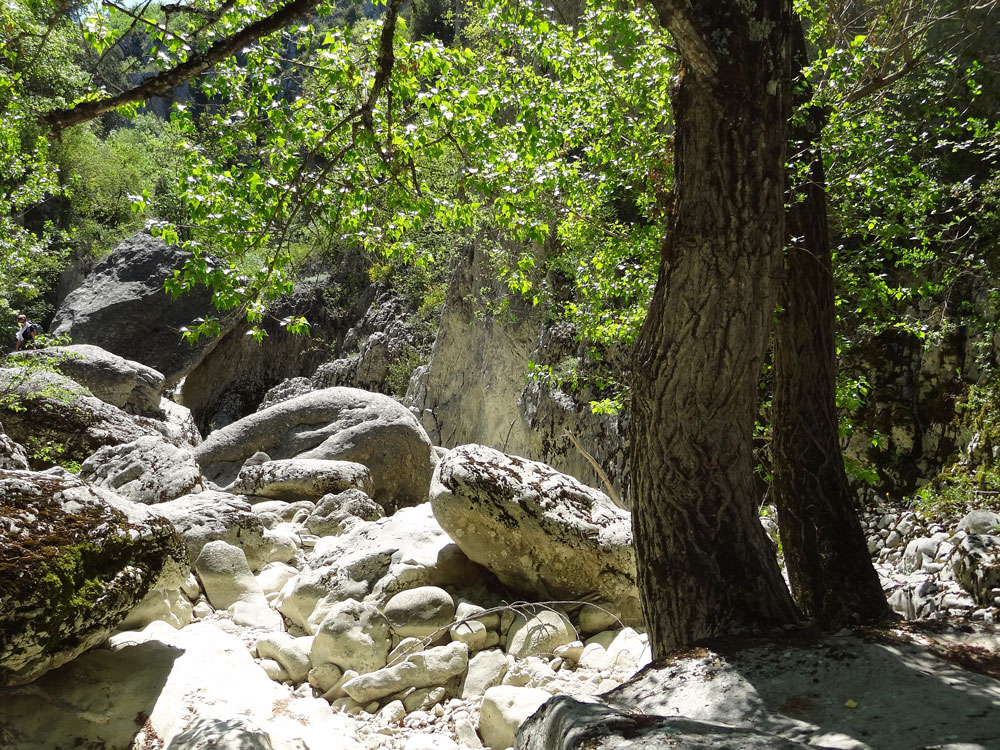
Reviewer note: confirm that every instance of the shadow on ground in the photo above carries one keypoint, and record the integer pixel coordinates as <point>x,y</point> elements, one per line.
<point>850,692</point>
<point>100,700</point>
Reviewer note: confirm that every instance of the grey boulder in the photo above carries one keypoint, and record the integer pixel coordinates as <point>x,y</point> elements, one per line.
<point>12,453</point>
<point>335,512</point>
<point>975,562</point>
<point>122,307</point>
<point>148,470</point>
<point>540,532</point>
<point>354,635</point>
<point>51,411</point>
<point>431,667</point>
<point>295,479</point>
<point>980,522</point>
<point>341,424</point>
<point>420,612</point>
<point>567,723</point>
<point>129,385</point>
<point>179,423</point>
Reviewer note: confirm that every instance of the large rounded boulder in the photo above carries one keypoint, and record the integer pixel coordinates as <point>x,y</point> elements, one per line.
<point>294,479</point>
<point>539,531</point>
<point>74,560</point>
<point>122,307</point>
<point>341,424</point>
<point>148,470</point>
<point>129,385</point>
<point>55,417</point>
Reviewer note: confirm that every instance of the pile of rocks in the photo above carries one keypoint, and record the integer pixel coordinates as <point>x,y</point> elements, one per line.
<point>386,591</point>
<point>937,569</point>
<point>320,568</point>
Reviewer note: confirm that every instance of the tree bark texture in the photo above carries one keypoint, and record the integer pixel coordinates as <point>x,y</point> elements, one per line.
<point>825,551</point>
<point>705,566</point>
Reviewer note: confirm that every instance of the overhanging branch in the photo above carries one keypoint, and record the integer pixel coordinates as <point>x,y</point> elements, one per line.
<point>60,119</point>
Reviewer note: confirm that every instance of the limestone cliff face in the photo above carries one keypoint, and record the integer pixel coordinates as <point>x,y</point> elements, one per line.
<point>475,387</point>
<point>908,427</point>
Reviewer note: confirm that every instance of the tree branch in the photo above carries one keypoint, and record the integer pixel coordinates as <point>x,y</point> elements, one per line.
<point>676,16</point>
<point>60,119</point>
<point>386,58</point>
<point>211,15</point>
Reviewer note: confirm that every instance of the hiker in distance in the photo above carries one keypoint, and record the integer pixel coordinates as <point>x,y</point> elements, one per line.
<point>26,332</point>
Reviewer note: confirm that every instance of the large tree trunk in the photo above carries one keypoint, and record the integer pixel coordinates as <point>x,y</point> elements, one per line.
<point>825,551</point>
<point>705,566</point>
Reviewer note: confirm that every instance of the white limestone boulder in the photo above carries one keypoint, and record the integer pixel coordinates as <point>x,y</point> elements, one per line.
<point>285,512</point>
<point>593,618</point>
<point>420,612</point>
<point>325,677</point>
<point>342,424</point>
<point>274,576</point>
<point>430,668</point>
<point>334,512</point>
<point>290,652</point>
<point>295,479</point>
<point>354,635</point>
<point>486,670</point>
<point>148,470</point>
<point>503,710</point>
<point>229,584</point>
<point>539,633</point>
<point>217,516</point>
<point>629,651</point>
<point>980,521</point>
<point>539,531</point>
<point>843,691</point>
<point>472,633</point>
<point>283,542</point>
<point>308,597</point>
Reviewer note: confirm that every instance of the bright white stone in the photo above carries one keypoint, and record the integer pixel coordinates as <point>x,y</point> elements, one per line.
<point>504,709</point>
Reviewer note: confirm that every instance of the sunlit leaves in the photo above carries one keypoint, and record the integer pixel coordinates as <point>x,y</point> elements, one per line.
<point>31,78</point>
<point>556,128</point>
<point>907,163</point>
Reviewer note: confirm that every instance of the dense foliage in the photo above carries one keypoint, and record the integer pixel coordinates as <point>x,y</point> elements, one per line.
<point>404,133</point>
<point>67,197</point>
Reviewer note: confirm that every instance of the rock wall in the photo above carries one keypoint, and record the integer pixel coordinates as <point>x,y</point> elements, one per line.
<point>231,381</point>
<point>910,427</point>
<point>475,388</point>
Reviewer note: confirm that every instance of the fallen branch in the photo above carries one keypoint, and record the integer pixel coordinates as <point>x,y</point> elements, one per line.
<point>600,472</point>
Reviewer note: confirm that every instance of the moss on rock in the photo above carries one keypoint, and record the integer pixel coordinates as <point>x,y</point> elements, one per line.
<point>71,567</point>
